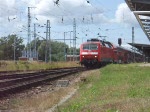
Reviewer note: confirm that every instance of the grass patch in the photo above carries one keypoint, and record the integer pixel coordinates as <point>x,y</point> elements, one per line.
<point>113,88</point>
<point>25,65</point>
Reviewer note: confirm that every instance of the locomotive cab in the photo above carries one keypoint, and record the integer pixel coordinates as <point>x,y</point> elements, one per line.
<point>89,54</point>
<point>96,53</point>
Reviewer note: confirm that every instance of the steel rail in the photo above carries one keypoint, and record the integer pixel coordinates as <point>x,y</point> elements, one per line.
<point>19,75</point>
<point>31,76</point>
<point>28,82</point>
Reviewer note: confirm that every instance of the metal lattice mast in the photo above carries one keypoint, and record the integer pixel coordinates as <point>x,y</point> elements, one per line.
<point>46,45</point>
<point>35,53</point>
<point>74,39</point>
<point>29,36</point>
<point>50,47</point>
<point>29,53</point>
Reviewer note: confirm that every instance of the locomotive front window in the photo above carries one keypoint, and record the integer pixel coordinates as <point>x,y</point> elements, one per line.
<point>90,47</point>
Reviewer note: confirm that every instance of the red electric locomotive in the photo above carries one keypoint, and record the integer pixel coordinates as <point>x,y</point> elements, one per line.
<point>96,52</point>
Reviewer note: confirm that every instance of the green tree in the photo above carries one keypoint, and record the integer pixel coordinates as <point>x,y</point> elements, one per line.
<point>41,50</point>
<point>7,47</point>
<point>57,50</point>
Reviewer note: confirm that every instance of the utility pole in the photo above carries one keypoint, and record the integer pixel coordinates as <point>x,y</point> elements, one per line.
<point>35,53</point>
<point>14,49</point>
<point>64,46</point>
<point>133,44</point>
<point>50,47</point>
<point>70,44</point>
<point>65,49</point>
<point>48,42</point>
<point>74,39</point>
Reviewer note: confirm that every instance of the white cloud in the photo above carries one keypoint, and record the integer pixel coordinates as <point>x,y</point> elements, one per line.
<point>67,9</point>
<point>47,8</point>
<point>125,16</point>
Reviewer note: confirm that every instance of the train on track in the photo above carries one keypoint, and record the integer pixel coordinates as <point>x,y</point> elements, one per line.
<point>97,53</point>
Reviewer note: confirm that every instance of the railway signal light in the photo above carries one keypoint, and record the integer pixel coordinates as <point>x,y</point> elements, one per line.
<point>119,41</point>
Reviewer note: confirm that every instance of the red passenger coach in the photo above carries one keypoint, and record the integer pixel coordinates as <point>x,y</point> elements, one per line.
<point>96,53</point>
<point>121,55</point>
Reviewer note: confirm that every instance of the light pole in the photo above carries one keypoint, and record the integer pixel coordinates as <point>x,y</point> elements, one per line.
<point>65,49</point>
<point>14,44</point>
<point>70,44</point>
<point>64,46</point>
<point>14,49</point>
<point>35,39</point>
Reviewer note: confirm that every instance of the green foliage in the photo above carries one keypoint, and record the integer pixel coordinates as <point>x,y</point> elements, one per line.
<point>41,50</point>
<point>57,50</point>
<point>26,65</point>
<point>7,47</point>
<point>113,88</point>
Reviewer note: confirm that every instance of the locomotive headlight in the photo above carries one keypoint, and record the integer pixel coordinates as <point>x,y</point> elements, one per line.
<point>83,56</point>
<point>95,56</point>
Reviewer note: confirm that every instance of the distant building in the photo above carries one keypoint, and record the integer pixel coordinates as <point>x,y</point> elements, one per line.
<point>73,57</point>
<point>24,57</point>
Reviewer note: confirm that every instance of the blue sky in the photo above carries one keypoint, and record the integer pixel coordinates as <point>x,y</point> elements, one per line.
<point>111,18</point>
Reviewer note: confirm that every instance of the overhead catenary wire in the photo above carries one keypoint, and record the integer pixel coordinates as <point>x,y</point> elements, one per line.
<point>58,7</point>
<point>67,15</point>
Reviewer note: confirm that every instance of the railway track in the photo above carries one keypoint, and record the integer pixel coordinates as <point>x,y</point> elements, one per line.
<point>26,71</point>
<point>13,83</point>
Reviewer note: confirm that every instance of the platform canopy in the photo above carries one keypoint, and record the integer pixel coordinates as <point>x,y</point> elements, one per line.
<point>141,10</point>
<point>142,47</point>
